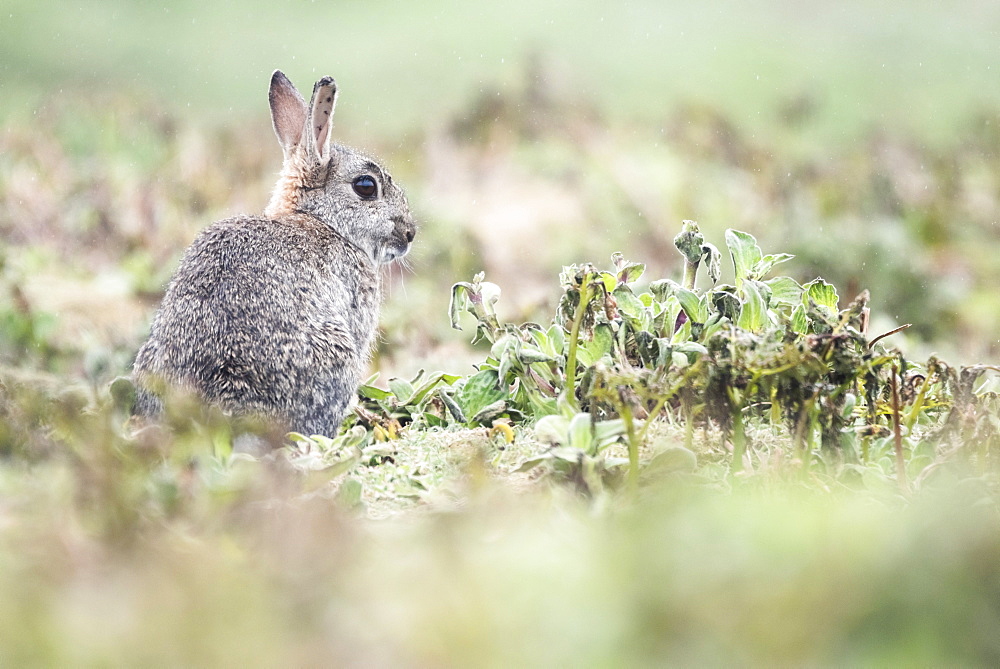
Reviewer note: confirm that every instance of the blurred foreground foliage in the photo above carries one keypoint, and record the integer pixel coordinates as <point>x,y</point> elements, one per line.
<point>737,474</point>
<point>727,468</point>
<point>162,547</point>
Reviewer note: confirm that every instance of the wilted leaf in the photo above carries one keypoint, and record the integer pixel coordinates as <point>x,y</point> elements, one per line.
<point>452,406</point>
<point>490,412</point>
<point>459,302</point>
<point>726,302</point>
<point>713,262</point>
<point>690,242</point>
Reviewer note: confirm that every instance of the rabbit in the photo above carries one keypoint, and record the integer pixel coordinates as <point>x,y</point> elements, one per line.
<point>276,315</point>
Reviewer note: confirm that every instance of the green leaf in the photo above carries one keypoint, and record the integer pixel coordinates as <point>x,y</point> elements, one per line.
<point>490,412</point>
<point>603,339</point>
<point>822,293</point>
<point>123,393</point>
<point>754,315</point>
<point>433,420</point>
<point>694,306</point>
<point>402,389</point>
<point>373,393</point>
<point>480,390</point>
<point>539,405</point>
<point>631,272</point>
<point>800,321</point>
<point>580,433</point>
<point>557,338</point>
<point>667,318</point>
<point>531,463</point>
<point>606,279</point>
<point>503,346</point>
<point>553,430</point>
<point>714,323</point>
<point>607,432</point>
<point>745,254</point>
<point>431,382</point>
<point>528,354</point>
<point>693,350</point>
<point>349,493</point>
<point>452,406</point>
<point>785,290</point>
<point>628,304</point>
<point>663,289</point>
<point>768,262</point>
<point>589,352</point>
<point>684,332</point>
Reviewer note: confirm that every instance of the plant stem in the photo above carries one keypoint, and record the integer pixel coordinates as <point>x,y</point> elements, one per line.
<point>688,422</point>
<point>803,439</point>
<point>666,397</point>
<point>918,403</point>
<point>633,444</point>
<point>739,432</point>
<point>897,431</point>
<point>690,273</point>
<point>574,341</point>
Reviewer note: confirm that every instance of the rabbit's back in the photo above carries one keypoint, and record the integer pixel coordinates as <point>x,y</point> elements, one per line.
<point>275,317</point>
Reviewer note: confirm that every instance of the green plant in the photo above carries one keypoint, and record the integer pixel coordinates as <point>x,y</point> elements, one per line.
<point>765,350</point>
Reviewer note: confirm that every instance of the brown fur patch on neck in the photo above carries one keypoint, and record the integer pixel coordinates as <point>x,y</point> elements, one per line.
<point>286,193</point>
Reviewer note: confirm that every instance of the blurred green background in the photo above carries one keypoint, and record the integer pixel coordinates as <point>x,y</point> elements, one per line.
<point>917,66</point>
<point>864,137</point>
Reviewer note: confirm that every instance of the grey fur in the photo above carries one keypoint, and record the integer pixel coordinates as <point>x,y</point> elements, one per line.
<point>275,315</point>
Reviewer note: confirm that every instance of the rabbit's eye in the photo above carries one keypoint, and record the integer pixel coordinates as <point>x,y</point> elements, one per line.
<point>365,187</point>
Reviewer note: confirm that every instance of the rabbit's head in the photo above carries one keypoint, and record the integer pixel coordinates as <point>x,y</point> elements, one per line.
<point>342,187</point>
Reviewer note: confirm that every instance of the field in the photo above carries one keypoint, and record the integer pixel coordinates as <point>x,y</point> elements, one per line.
<point>649,442</point>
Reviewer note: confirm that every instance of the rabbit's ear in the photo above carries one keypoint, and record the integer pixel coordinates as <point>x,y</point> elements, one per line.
<point>288,111</point>
<point>324,98</point>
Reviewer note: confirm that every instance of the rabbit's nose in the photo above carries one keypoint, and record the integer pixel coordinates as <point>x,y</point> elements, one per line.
<point>410,233</point>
